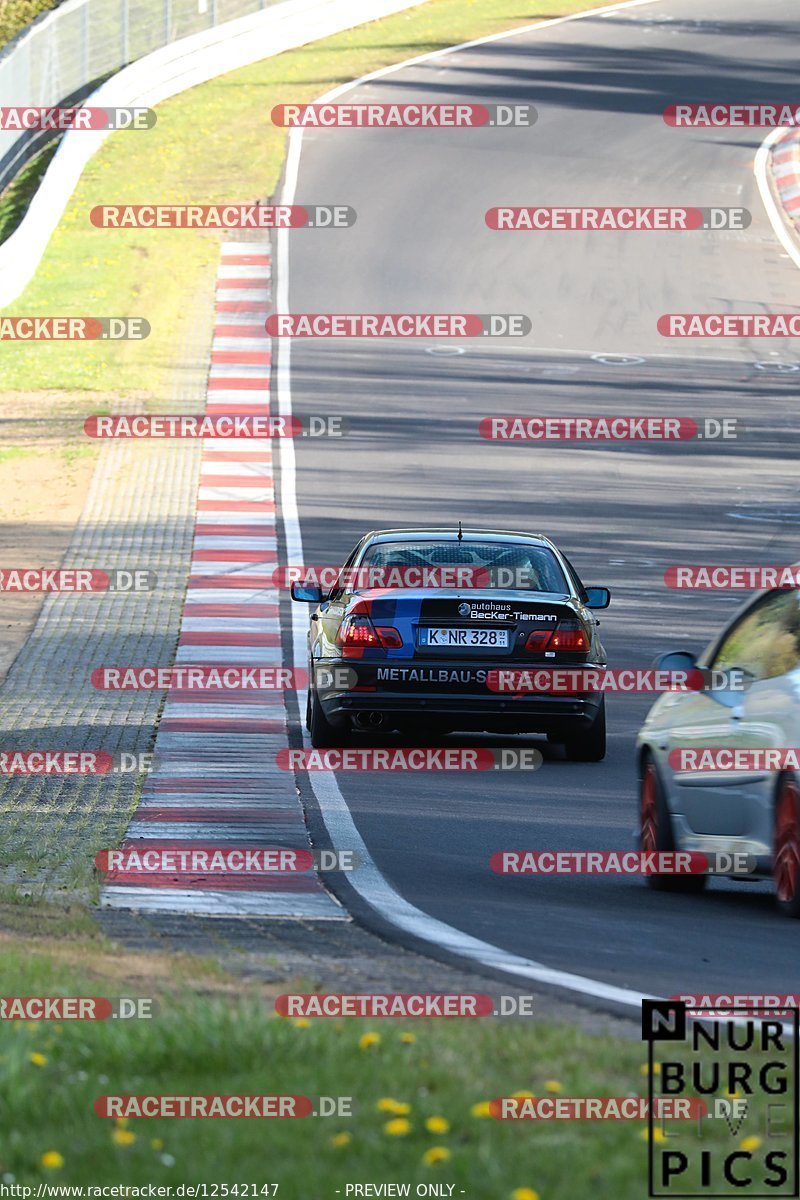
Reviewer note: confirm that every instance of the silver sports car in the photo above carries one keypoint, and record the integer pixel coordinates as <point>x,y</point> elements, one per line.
<point>718,768</point>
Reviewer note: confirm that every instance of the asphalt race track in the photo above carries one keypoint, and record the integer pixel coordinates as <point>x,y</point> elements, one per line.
<point>623,513</point>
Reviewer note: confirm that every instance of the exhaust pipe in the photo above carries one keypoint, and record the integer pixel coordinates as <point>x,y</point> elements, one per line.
<point>368,720</point>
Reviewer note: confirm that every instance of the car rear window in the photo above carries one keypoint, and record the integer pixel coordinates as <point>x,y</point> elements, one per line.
<point>509,564</point>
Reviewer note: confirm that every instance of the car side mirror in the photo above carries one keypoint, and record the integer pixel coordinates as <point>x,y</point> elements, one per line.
<point>308,593</point>
<point>676,660</point>
<point>597,597</point>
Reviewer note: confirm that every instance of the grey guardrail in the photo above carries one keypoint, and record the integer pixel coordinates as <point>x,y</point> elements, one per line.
<point>163,72</point>
<point>64,54</point>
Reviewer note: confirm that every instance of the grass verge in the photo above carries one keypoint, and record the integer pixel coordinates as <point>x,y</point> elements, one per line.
<point>212,1034</point>
<point>18,195</point>
<point>16,14</point>
<point>212,144</point>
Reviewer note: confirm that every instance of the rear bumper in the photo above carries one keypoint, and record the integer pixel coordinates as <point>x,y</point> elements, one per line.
<point>460,705</point>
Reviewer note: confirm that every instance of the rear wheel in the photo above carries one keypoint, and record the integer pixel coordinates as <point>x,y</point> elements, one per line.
<point>655,833</point>
<point>324,735</point>
<point>786,862</point>
<point>591,745</point>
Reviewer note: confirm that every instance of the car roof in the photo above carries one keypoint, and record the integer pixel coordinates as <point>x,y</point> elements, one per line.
<point>441,533</point>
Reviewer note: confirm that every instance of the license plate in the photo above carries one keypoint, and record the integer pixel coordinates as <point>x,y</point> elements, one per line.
<point>493,638</point>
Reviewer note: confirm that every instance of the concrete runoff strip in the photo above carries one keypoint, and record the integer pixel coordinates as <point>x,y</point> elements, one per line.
<point>224,745</point>
<point>139,513</point>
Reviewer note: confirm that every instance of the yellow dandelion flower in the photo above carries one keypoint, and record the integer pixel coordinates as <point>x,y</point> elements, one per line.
<point>341,1139</point>
<point>408,1038</point>
<point>658,1134</point>
<point>437,1125</point>
<point>38,1059</point>
<point>368,1039</point>
<point>156,1144</point>
<point>524,1194</point>
<point>523,1095</point>
<point>644,1069</point>
<point>123,1137</point>
<point>121,1122</point>
<point>52,1160</point>
<point>398,1127</point>
<point>398,1108</point>
<point>301,1022</point>
<point>481,1109</point>
<point>553,1085</point>
<point>436,1154</point>
<point>750,1143</point>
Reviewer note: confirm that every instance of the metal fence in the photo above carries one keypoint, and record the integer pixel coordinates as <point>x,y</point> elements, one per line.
<point>63,56</point>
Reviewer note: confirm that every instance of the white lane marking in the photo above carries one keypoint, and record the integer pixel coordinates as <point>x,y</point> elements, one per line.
<point>366,879</point>
<point>257,470</point>
<point>246,491</point>
<point>239,596</point>
<point>257,656</point>
<point>233,541</point>
<point>256,571</point>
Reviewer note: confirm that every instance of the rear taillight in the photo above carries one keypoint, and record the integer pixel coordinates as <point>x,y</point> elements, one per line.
<point>389,637</point>
<point>538,640</point>
<point>570,635</point>
<point>357,634</point>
